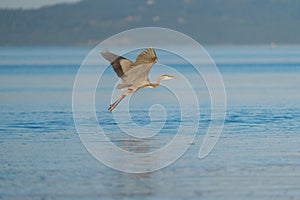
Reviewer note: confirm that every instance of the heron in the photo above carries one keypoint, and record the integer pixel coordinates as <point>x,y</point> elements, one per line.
<point>134,75</point>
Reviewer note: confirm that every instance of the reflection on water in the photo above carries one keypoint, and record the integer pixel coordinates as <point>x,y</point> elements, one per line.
<point>257,156</point>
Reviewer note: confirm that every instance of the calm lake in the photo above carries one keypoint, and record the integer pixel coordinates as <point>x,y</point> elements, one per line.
<point>256,157</point>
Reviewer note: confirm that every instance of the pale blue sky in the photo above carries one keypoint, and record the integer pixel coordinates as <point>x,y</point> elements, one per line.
<point>27,4</point>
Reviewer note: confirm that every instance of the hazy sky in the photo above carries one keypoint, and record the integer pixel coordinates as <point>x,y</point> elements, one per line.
<point>31,3</point>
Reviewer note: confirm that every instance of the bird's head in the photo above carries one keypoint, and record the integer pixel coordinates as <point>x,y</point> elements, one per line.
<point>166,77</point>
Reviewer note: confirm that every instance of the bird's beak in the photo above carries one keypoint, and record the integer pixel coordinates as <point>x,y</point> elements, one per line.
<point>173,76</point>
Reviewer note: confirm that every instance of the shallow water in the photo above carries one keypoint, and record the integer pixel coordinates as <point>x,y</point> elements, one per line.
<point>257,156</point>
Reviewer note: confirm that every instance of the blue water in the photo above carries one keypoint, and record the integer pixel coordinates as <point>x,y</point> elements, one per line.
<point>257,156</point>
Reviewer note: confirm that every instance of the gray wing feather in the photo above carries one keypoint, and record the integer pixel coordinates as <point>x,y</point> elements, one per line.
<point>132,74</point>
<point>120,64</point>
<point>138,75</point>
<point>147,56</point>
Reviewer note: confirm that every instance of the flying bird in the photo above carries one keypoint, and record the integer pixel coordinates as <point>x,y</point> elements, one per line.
<point>134,75</point>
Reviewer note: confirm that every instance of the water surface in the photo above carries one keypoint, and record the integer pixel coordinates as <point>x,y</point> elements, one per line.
<point>257,156</point>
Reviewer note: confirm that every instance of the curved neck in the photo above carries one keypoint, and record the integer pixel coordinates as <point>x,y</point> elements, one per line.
<point>154,85</point>
<point>158,81</point>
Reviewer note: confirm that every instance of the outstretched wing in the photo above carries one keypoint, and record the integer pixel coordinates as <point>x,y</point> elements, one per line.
<point>146,57</point>
<point>138,75</point>
<point>132,74</point>
<point>120,64</point>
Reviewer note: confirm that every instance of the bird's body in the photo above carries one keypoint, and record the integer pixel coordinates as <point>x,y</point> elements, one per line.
<point>134,75</point>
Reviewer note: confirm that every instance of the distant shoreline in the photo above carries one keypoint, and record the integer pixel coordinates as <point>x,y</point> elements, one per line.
<point>88,22</point>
